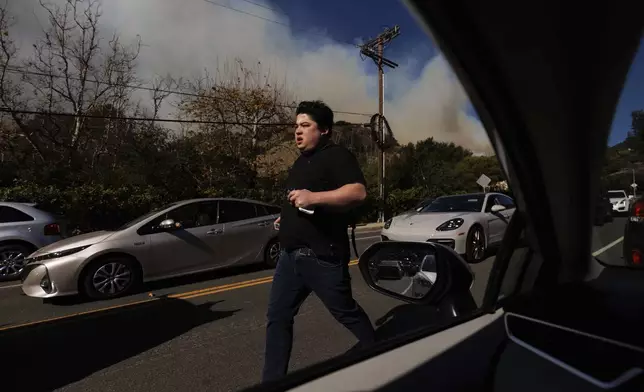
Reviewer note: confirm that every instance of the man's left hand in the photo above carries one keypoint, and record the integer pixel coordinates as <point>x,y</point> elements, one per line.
<point>302,198</point>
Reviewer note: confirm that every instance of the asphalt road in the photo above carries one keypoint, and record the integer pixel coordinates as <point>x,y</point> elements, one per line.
<point>607,241</point>
<point>204,332</point>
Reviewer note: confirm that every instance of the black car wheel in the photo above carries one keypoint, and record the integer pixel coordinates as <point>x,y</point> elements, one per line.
<point>12,260</point>
<point>475,246</point>
<point>272,253</point>
<point>110,277</point>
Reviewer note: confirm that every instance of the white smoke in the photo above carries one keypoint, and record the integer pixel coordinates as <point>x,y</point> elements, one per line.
<point>184,38</point>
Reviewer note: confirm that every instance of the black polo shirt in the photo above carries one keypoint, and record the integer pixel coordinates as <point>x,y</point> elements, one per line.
<point>326,168</point>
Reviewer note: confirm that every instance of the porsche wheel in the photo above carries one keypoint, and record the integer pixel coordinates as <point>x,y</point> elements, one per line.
<point>475,246</point>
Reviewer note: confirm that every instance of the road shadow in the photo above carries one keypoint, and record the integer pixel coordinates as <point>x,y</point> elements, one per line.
<point>49,356</point>
<point>401,320</point>
<point>167,283</point>
<point>404,319</point>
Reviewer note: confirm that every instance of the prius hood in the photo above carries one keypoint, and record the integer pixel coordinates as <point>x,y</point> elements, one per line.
<point>75,242</point>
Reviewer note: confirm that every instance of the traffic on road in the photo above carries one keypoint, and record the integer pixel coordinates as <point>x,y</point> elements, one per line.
<point>209,326</point>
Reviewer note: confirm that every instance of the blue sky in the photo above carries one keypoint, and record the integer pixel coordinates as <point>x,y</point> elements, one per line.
<point>366,18</point>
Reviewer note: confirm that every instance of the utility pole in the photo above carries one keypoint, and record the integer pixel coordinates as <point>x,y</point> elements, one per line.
<point>374,49</point>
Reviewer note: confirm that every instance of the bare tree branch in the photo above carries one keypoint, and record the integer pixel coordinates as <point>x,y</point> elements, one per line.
<point>11,94</point>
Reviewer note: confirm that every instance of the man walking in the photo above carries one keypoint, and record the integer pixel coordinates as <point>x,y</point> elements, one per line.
<point>327,181</point>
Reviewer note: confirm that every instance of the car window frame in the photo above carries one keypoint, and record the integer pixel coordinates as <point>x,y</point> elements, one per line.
<point>10,208</point>
<point>147,229</point>
<point>491,301</point>
<point>263,208</point>
<point>489,203</point>
<point>512,204</point>
<point>268,207</point>
<point>235,201</point>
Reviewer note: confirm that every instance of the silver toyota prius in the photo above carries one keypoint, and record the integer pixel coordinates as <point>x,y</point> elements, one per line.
<point>181,238</point>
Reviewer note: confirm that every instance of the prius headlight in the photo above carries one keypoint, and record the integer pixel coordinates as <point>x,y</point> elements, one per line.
<point>451,224</point>
<point>57,254</point>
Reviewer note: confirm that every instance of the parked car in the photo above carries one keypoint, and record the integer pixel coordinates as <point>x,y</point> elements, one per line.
<point>422,204</point>
<point>603,210</point>
<point>24,227</point>
<point>181,238</point>
<point>469,224</point>
<point>633,244</point>
<point>620,201</point>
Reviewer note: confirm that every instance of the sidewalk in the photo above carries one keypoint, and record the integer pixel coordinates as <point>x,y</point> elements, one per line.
<point>368,226</point>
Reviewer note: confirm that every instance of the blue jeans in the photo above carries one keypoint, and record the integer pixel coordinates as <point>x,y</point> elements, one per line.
<point>299,273</point>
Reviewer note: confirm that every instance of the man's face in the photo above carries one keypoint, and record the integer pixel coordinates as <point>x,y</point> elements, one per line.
<point>307,133</point>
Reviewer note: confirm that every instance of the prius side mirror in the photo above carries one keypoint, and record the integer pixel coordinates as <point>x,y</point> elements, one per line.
<point>169,225</point>
<point>419,272</point>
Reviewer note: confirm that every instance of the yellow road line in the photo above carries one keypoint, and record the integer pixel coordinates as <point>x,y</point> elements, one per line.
<point>221,289</point>
<point>76,314</point>
<point>225,286</point>
<point>216,290</point>
<point>186,295</point>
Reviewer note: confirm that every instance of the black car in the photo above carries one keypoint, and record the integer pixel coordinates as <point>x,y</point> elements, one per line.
<point>634,234</point>
<point>603,210</point>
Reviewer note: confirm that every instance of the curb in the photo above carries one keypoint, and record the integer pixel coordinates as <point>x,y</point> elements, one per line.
<point>368,226</point>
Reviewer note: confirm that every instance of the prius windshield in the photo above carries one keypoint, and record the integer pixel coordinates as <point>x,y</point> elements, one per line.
<point>144,217</point>
<point>464,203</point>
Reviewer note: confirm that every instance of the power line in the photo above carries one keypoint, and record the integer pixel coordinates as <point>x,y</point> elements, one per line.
<point>258,4</point>
<point>247,13</point>
<point>263,18</point>
<point>151,119</point>
<point>128,118</point>
<point>152,89</point>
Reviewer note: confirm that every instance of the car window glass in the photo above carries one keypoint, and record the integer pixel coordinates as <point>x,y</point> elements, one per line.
<point>144,217</point>
<point>616,211</point>
<point>233,211</point>
<point>261,210</point>
<point>191,215</point>
<point>12,215</point>
<point>506,201</point>
<point>159,107</point>
<point>459,203</point>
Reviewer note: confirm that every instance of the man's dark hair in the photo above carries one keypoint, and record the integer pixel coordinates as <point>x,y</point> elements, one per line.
<point>319,112</point>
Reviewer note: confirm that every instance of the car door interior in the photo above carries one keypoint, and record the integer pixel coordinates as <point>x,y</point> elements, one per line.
<point>583,336</point>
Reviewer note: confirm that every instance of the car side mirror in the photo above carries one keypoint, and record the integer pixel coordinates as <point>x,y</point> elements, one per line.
<point>419,272</point>
<point>497,208</point>
<point>169,225</point>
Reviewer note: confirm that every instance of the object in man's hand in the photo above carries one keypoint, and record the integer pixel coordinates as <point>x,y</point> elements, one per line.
<point>304,210</point>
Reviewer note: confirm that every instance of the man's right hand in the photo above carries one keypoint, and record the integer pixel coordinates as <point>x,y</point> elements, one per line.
<point>276,224</point>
